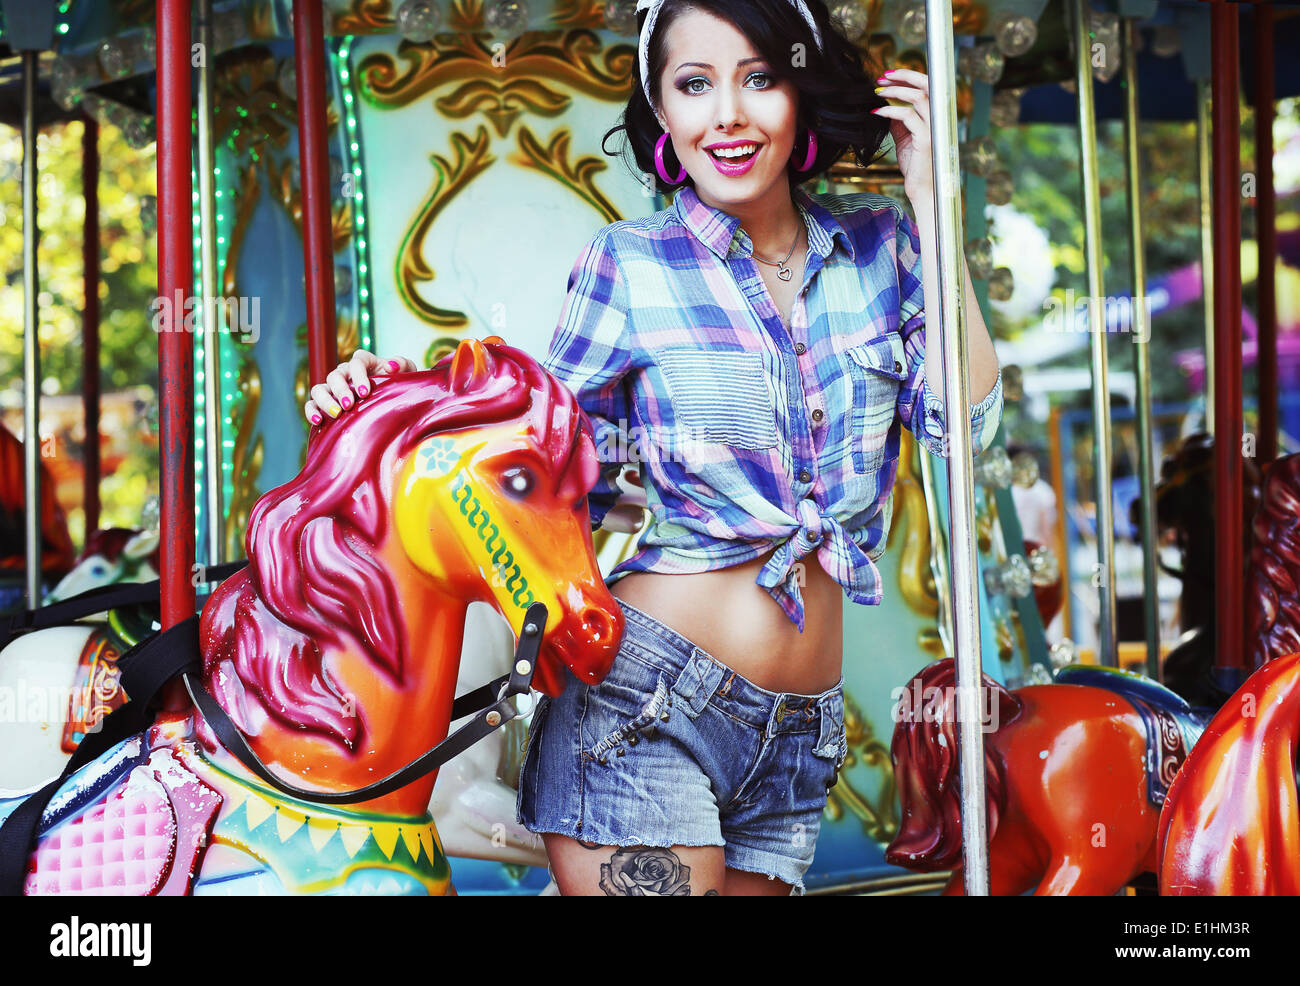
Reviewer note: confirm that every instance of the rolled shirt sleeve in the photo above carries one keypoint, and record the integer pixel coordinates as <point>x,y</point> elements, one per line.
<point>915,395</point>
<point>588,353</point>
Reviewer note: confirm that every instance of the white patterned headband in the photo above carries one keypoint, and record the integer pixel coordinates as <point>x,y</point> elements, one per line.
<point>647,29</point>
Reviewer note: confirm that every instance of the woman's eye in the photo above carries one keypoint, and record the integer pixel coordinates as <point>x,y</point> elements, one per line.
<point>695,86</point>
<point>763,77</point>
<point>517,481</point>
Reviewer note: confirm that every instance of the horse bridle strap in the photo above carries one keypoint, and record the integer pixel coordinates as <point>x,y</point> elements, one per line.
<point>499,693</point>
<point>158,659</point>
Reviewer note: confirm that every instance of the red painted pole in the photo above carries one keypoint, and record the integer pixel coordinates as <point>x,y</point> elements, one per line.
<point>313,166</point>
<point>1226,183</point>
<point>1266,232</point>
<point>175,345</point>
<point>90,321</point>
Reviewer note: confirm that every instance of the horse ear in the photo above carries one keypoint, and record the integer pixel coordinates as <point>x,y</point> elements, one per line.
<point>468,365</point>
<point>495,340</point>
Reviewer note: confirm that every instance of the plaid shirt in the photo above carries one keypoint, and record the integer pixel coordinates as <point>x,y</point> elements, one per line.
<point>749,435</point>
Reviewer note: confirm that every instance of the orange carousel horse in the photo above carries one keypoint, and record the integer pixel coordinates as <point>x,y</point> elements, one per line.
<point>334,653</point>
<point>1231,824</point>
<point>1075,773</point>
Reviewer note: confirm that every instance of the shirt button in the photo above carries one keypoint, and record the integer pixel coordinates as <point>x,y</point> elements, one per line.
<point>805,476</point>
<point>800,349</point>
<point>898,367</point>
<point>818,414</point>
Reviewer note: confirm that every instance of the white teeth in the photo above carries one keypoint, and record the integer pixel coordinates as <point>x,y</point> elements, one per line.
<point>734,151</point>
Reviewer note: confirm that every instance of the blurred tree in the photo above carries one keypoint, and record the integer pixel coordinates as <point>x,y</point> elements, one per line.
<point>128,258</point>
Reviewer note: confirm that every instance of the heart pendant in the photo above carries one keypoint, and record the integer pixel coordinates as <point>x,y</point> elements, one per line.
<point>783,273</point>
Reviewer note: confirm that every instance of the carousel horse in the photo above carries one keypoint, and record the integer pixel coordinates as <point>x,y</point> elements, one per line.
<point>335,652</point>
<point>1075,773</point>
<point>1231,824</point>
<point>57,553</point>
<point>1185,504</point>
<point>60,682</point>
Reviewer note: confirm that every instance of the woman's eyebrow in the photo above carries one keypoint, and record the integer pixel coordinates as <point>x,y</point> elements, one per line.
<point>743,61</point>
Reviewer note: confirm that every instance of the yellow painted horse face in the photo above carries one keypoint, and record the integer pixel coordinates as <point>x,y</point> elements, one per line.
<point>481,506</point>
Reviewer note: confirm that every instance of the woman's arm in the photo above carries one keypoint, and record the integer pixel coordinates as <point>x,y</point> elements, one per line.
<point>910,127</point>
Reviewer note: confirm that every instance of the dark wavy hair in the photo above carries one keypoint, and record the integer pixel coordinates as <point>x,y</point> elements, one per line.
<point>835,86</point>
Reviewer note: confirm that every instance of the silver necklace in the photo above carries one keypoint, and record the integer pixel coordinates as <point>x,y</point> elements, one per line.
<point>782,271</point>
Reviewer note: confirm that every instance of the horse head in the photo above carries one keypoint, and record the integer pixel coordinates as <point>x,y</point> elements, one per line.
<point>336,650</point>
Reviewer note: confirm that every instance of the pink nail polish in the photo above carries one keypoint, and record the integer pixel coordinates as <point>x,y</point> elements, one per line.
<point>393,364</point>
<point>346,402</point>
<point>315,419</point>
<point>363,390</point>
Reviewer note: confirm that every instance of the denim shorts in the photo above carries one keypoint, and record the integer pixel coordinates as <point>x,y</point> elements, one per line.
<point>674,748</point>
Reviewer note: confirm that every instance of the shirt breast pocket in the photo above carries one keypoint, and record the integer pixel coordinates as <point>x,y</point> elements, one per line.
<point>720,397</point>
<point>877,371</point>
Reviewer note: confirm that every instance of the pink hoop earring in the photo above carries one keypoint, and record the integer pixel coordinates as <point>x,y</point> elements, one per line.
<point>659,162</point>
<point>811,156</point>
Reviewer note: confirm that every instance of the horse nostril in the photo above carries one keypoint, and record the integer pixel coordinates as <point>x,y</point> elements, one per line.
<point>596,624</point>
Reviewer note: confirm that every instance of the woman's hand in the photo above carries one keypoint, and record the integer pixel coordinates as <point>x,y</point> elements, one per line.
<point>335,395</point>
<point>627,516</point>
<point>910,127</point>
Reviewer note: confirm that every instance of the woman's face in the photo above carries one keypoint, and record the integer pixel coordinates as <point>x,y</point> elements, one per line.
<point>715,92</point>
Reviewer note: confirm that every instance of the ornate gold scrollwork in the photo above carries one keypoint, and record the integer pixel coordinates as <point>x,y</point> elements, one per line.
<point>879,816</point>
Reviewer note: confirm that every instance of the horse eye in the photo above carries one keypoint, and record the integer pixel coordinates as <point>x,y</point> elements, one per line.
<point>518,481</point>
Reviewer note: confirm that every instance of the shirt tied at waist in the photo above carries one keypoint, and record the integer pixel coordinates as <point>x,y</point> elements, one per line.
<point>841,557</point>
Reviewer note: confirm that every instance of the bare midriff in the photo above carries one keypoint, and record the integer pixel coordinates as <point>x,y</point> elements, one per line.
<point>740,625</point>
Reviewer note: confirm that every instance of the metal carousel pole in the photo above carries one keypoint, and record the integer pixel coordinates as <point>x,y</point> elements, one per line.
<point>175,346</point>
<point>313,166</point>
<point>90,320</point>
<point>211,292</point>
<point>1141,327</point>
<point>1107,650</point>
<point>1207,242</point>
<point>1230,658</point>
<point>963,586</point>
<point>1266,232</point>
<point>31,341</point>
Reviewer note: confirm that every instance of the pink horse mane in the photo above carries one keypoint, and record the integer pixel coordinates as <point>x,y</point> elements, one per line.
<point>1275,565</point>
<point>312,584</point>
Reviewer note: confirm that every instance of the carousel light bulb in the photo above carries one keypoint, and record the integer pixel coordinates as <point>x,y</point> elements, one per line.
<point>999,188</point>
<point>1005,109</point>
<point>146,46</point>
<point>979,257</point>
<point>507,17</point>
<point>1044,569</point>
<point>114,59</point>
<point>1024,468</point>
<point>417,20</point>
<point>1013,33</point>
<point>620,16</point>
<point>850,19</point>
<point>1064,653</point>
<point>1001,284</point>
<point>982,62</point>
<point>1012,578</point>
<point>979,156</point>
<point>993,468</point>
<point>911,25</point>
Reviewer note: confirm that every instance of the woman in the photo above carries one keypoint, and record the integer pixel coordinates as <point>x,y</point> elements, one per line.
<point>769,393</point>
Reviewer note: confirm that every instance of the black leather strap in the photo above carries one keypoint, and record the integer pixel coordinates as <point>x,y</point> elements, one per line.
<point>98,600</point>
<point>502,710</point>
<point>146,667</point>
<point>158,659</point>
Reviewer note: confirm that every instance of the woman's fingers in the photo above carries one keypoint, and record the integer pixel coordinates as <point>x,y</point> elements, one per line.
<point>323,398</point>
<point>313,413</point>
<point>349,380</point>
<point>908,116</point>
<point>918,79</point>
<point>916,98</point>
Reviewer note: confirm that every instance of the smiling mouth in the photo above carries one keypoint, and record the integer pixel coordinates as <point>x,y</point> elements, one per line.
<point>734,155</point>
